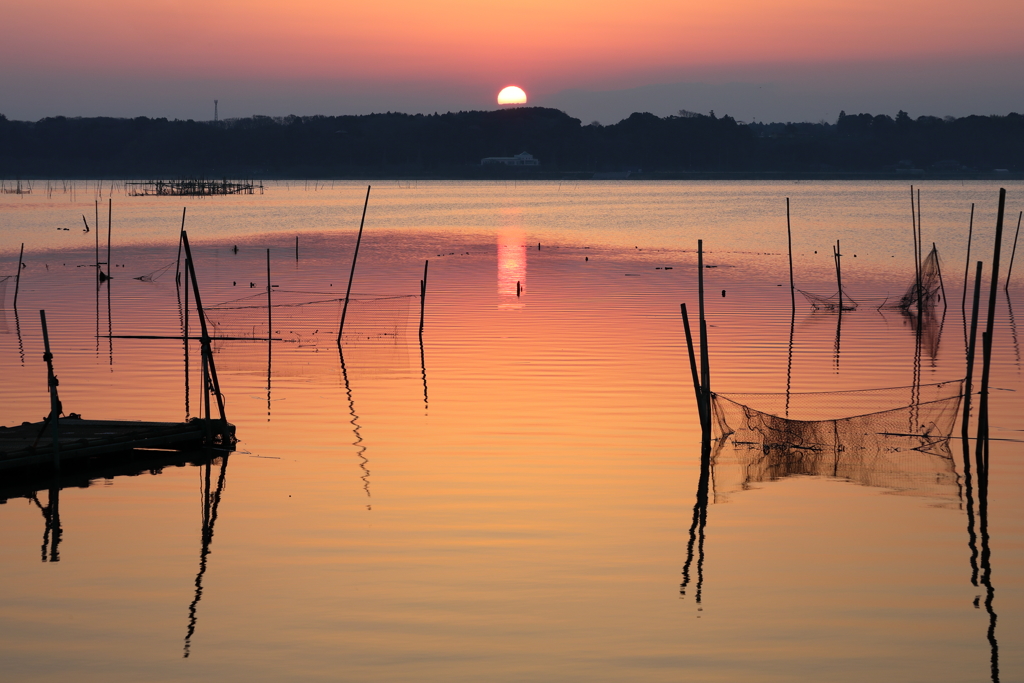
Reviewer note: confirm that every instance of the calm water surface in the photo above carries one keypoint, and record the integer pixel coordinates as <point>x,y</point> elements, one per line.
<point>513,500</point>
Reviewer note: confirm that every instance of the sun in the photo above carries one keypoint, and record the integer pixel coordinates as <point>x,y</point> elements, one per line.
<point>512,95</point>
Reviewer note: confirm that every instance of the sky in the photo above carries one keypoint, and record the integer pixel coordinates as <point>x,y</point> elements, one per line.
<point>774,60</point>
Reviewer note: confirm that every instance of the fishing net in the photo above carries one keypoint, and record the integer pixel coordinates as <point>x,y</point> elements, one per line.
<point>870,439</point>
<point>155,274</point>
<point>4,279</point>
<point>927,291</point>
<point>312,318</point>
<point>833,302</point>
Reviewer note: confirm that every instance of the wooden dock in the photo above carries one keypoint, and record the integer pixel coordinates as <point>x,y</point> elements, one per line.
<point>29,446</point>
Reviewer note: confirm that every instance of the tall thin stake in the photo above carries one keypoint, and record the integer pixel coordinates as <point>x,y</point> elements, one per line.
<point>270,307</point>
<point>96,203</point>
<point>352,273</point>
<point>1013,252</point>
<point>986,365</point>
<point>839,275</point>
<point>17,277</point>
<point>110,210</point>
<point>913,228</point>
<point>705,364</point>
<point>177,271</point>
<point>51,383</point>
<point>789,240</point>
<point>971,344</point>
<point>967,262</point>
<point>697,392</point>
<point>423,295</point>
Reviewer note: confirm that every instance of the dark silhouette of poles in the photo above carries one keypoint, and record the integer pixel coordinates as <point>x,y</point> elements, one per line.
<point>17,277</point>
<point>705,365</point>
<point>296,247</point>
<point>971,345</point>
<point>839,275</point>
<point>177,271</point>
<point>967,267</point>
<point>986,366</point>
<point>110,210</point>
<point>1013,252</point>
<point>96,206</point>
<point>789,241</point>
<point>51,383</point>
<point>348,291</point>
<point>210,382</point>
<point>423,295</point>
<point>697,392</point>
<point>270,308</point>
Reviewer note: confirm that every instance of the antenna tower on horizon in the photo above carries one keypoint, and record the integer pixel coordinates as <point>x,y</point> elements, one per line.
<point>215,116</point>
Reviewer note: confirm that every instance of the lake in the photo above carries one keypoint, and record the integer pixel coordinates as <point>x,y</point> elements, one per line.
<point>518,496</point>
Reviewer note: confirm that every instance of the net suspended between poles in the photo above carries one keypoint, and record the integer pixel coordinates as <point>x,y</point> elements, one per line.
<point>832,302</point>
<point>154,275</point>
<point>927,292</point>
<point>312,318</point>
<point>870,438</point>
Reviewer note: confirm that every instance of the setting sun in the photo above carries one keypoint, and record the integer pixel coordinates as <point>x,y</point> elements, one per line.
<point>512,95</point>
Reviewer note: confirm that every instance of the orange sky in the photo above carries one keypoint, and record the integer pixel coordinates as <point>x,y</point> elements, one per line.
<point>541,45</point>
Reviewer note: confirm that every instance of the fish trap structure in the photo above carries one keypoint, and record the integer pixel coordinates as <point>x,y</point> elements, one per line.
<point>893,438</point>
<point>190,187</point>
<point>312,318</point>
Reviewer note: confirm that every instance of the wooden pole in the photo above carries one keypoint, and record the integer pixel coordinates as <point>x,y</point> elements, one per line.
<point>789,240</point>
<point>270,308</point>
<point>348,291</point>
<point>51,383</point>
<point>971,344</point>
<point>17,277</point>
<point>705,363</point>
<point>986,364</point>
<point>913,228</point>
<point>207,348</point>
<point>697,392</point>
<point>1013,252</point>
<point>839,274</point>
<point>423,295</point>
<point>938,270</point>
<point>296,247</point>
<point>967,263</point>
<point>96,206</point>
<point>177,271</point>
<point>110,210</point>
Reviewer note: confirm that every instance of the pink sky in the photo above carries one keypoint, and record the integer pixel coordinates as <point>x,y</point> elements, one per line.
<point>172,57</point>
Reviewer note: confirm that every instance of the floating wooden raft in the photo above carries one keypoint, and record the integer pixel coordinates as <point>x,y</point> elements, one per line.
<point>29,445</point>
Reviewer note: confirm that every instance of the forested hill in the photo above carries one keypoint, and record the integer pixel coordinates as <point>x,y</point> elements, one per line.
<point>452,145</point>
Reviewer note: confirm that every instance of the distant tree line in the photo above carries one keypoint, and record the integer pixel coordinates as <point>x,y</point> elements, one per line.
<point>452,145</point>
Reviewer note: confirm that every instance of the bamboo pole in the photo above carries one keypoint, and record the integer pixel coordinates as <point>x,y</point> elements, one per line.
<point>270,308</point>
<point>971,344</point>
<point>348,291</point>
<point>1013,252</point>
<point>96,203</point>
<point>698,393</point>
<point>423,295</point>
<point>110,210</point>
<point>986,366</point>
<point>967,269</point>
<point>51,383</point>
<point>207,348</point>
<point>789,240</point>
<point>177,271</point>
<point>17,277</point>
<point>705,364</point>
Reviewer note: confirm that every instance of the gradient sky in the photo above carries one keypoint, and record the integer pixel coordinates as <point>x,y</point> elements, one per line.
<point>782,60</point>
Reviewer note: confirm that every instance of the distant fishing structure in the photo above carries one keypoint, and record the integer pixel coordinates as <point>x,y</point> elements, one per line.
<point>190,187</point>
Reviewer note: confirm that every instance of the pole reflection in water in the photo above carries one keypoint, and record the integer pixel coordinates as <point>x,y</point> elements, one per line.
<point>52,531</point>
<point>511,267</point>
<point>697,524</point>
<point>358,443</point>
<point>210,505</point>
